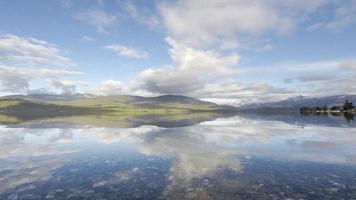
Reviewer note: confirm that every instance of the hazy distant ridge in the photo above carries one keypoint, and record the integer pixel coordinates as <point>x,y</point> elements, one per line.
<point>300,101</point>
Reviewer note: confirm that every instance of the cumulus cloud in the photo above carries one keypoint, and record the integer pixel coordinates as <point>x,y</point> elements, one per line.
<point>128,52</point>
<point>207,74</point>
<point>115,87</point>
<point>98,18</point>
<point>66,86</point>
<point>191,69</point>
<point>110,87</point>
<point>13,80</point>
<point>203,53</point>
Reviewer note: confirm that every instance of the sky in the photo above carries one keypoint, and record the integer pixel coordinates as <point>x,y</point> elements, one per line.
<point>226,51</point>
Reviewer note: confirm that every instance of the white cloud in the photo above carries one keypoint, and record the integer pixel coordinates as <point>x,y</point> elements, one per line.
<point>320,78</point>
<point>203,36</point>
<point>216,21</point>
<point>17,80</point>
<point>87,38</point>
<point>98,18</point>
<point>235,93</point>
<point>348,65</point>
<point>13,80</point>
<point>115,87</point>
<point>128,52</point>
<point>238,24</point>
<point>66,86</point>
<point>327,77</point>
<point>203,60</point>
<point>190,71</point>
<point>143,16</point>
<point>110,87</point>
<point>30,52</point>
<point>23,60</point>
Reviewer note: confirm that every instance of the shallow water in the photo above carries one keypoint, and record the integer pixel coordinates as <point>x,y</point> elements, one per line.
<point>240,157</point>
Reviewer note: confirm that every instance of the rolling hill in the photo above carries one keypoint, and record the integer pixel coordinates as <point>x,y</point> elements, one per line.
<point>28,107</point>
<point>127,101</point>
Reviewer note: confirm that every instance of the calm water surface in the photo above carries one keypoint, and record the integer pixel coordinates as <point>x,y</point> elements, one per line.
<point>240,157</point>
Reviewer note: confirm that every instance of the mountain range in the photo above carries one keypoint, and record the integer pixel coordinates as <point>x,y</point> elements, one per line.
<point>177,101</point>
<point>301,101</point>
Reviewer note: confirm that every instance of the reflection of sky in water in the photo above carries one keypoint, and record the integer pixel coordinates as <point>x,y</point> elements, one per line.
<point>161,162</point>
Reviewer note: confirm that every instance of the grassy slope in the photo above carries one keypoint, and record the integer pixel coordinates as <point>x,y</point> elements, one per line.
<point>111,108</point>
<point>154,105</point>
<point>13,110</point>
<point>9,102</point>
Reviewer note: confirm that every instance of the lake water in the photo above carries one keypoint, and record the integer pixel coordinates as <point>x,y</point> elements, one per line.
<point>235,157</point>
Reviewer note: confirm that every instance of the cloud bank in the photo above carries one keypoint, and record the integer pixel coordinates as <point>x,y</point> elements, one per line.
<point>23,60</point>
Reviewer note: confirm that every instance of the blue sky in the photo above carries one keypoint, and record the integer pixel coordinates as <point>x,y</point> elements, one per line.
<point>228,51</point>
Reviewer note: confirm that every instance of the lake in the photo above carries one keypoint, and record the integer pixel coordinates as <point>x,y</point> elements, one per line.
<point>232,157</point>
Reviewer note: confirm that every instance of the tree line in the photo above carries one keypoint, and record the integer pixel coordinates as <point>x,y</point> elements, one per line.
<point>347,107</point>
<point>347,110</point>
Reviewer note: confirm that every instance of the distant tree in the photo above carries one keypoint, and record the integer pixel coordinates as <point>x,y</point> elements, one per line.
<point>306,110</point>
<point>325,108</point>
<point>336,108</point>
<point>348,105</point>
<point>349,117</point>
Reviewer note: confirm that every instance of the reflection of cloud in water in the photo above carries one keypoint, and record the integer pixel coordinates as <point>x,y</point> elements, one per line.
<point>200,150</point>
<point>18,143</point>
<point>129,135</point>
<point>28,155</point>
<point>15,173</point>
<point>193,156</point>
<point>282,141</point>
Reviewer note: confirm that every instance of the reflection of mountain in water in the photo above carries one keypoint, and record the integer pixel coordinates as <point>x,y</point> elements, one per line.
<point>349,117</point>
<point>110,111</point>
<point>167,121</point>
<point>298,119</point>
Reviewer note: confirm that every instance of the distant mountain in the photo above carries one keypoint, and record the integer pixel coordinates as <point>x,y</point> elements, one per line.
<point>174,101</point>
<point>164,101</point>
<point>17,108</point>
<point>127,99</point>
<point>300,101</point>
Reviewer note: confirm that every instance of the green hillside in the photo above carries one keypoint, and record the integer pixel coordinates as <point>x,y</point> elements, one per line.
<point>108,107</point>
<point>136,102</point>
